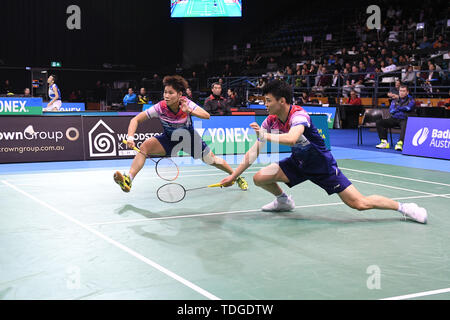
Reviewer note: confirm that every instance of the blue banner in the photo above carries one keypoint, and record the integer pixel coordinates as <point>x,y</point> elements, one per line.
<point>227,134</point>
<point>427,137</point>
<point>329,111</point>
<point>20,106</point>
<point>69,106</point>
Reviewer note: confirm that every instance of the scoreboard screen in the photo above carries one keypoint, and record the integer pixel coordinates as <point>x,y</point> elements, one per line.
<point>205,8</point>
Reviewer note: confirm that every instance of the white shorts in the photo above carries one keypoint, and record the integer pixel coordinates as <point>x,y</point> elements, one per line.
<point>57,104</point>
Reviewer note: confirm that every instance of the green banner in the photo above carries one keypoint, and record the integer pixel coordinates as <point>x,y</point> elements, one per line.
<point>20,106</point>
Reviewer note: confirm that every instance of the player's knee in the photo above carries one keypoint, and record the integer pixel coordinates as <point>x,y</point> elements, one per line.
<point>359,204</point>
<point>258,179</point>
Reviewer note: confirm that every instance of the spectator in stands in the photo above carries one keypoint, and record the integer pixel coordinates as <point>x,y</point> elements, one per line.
<point>336,80</point>
<point>425,44</point>
<point>409,76</point>
<point>232,99</point>
<point>399,110</point>
<point>354,82</point>
<point>272,65</point>
<point>354,100</point>
<point>27,92</point>
<point>142,97</point>
<point>215,104</point>
<point>73,96</point>
<point>394,92</point>
<point>304,98</point>
<point>190,95</point>
<point>130,97</point>
<point>7,89</point>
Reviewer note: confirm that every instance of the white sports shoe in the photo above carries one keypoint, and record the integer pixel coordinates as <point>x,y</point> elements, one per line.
<point>282,204</point>
<point>415,212</point>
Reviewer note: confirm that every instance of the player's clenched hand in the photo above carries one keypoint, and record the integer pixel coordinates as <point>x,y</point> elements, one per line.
<point>184,105</point>
<point>227,182</point>
<point>259,131</point>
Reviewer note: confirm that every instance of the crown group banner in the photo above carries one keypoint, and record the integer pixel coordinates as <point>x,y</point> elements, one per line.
<point>62,138</point>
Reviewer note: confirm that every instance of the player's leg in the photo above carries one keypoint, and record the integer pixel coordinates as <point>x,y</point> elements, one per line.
<point>267,178</point>
<point>399,145</point>
<point>354,199</point>
<point>220,163</point>
<point>150,146</point>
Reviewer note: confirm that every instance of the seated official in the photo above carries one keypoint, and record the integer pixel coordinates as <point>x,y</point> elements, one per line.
<point>399,110</point>
<point>130,97</point>
<point>216,104</point>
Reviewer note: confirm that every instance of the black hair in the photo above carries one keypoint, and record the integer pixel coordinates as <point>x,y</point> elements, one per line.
<point>216,84</point>
<point>54,77</point>
<point>279,89</point>
<point>404,86</point>
<point>178,83</point>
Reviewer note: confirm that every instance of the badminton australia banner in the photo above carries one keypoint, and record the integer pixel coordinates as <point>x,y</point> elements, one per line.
<point>20,106</point>
<point>427,137</point>
<point>103,136</point>
<point>33,139</point>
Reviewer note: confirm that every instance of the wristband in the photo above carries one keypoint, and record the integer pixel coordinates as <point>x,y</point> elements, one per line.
<point>130,138</point>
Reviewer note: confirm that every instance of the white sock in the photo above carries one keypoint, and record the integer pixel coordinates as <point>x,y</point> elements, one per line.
<point>131,176</point>
<point>400,207</point>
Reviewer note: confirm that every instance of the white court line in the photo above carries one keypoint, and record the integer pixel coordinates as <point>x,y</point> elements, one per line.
<point>398,188</point>
<point>419,294</point>
<point>118,245</point>
<point>237,211</point>
<point>398,177</point>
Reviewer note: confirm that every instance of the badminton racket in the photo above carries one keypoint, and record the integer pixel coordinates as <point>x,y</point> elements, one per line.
<point>175,192</point>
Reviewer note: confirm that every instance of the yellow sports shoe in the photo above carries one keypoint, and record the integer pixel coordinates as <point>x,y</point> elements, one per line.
<point>242,183</point>
<point>383,145</point>
<point>123,181</point>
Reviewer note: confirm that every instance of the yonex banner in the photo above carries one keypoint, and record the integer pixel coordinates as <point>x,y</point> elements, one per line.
<point>103,136</point>
<point>32,139</point>
<point>329,111</point>
<point>427,137</point>
<point>227,134</point>
<point>20,106</point>
<point>69,106</point>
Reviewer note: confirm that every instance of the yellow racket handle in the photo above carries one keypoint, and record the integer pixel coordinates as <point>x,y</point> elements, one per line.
<point>134,148</point>
<point>216,185</point>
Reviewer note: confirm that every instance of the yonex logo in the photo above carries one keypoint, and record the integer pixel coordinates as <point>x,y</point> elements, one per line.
<point>420,136</point>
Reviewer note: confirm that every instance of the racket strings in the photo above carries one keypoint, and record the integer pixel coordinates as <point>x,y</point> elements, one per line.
<point>171,192</point>
<point>167,169</point>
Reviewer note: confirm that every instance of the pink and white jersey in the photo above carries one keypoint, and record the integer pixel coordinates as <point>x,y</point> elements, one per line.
<point>170,120</point>
<point>296,116</point>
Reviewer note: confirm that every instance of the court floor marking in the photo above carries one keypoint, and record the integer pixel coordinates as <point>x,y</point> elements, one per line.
<point>236,211</point>
<point>398,188</point>
<point>419,294</point>
<point>117,244</point>
<point>398,177</point>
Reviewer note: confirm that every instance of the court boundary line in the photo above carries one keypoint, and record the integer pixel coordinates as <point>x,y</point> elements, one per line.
<point>419,294</point>
<point>117,244</point>
<point>398,177</point>
<point>237,211</point>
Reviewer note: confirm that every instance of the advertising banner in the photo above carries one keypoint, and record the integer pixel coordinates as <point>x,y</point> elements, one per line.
<point>427,137</point>
<point>227,134</point>
<point>103,136</point>
<point>33,139</point>
<point>69,106</point>
<point>329,111</point>
<point>20,106</point>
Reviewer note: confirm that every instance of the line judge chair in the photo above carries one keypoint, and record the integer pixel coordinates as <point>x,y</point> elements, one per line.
<point>368,120</point>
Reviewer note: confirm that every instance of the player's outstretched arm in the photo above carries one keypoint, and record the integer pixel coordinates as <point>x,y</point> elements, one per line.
<point>132,127</point>
<point>288,139</point>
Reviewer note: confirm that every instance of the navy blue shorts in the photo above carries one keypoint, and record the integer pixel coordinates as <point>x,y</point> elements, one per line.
<point>331,179</point>
<point>196,147</point>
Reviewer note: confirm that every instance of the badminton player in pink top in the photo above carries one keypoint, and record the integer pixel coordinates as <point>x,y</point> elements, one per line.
<point>310,160</point>
<point>175,113</point>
